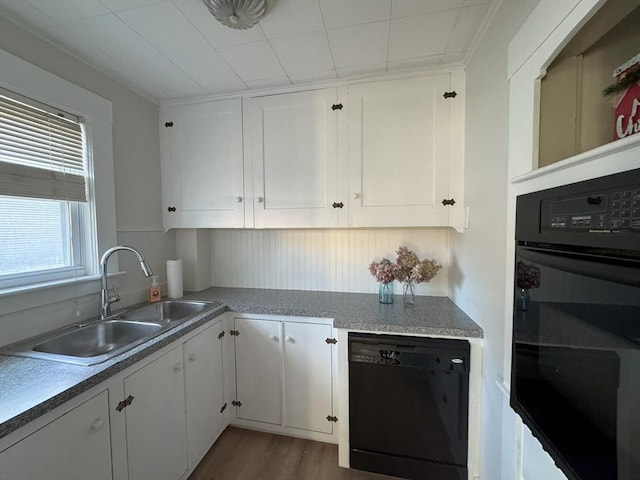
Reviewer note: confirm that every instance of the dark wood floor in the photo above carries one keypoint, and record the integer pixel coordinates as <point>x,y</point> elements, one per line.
<point>241,454</point>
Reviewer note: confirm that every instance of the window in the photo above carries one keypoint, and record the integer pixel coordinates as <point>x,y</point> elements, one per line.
<point>45,227</point>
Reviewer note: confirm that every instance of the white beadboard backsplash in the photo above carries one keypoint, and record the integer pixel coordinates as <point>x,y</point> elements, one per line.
<point>320,260</point>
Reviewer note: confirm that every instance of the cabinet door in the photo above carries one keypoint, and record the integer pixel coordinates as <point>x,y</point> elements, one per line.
<point>155,419</point>
<point>204,391</point>
<point>307,376</point>
<point>259,370</point>
<point>202,165</point>
<point>295,160</point>
<point>399,152</point>
<point>76,446</point>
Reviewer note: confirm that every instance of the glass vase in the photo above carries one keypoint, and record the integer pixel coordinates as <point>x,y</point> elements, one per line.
<point>408,294</point>
<point>385,293</point>
<point>522,299</point>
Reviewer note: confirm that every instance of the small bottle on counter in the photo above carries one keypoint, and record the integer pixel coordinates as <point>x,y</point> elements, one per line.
<point>154,290</point>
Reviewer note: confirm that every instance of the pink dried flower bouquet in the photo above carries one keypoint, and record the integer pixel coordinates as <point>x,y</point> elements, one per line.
<point>384,271</point>
<point>409,268</point>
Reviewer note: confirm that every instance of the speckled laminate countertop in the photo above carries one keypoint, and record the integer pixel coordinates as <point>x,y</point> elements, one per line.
<point>354,311</point>
<point>30,387</point>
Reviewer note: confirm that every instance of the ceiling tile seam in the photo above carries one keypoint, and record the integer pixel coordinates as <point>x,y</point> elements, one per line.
<point>160,52</point>
<point>326,36</point>
<point>452,30</point>
<point>386,67</point>
<point>268,40</point>
<point>486,22</point>
<point>212,46</point>
<point>423,14</point>
<point>47,38</point>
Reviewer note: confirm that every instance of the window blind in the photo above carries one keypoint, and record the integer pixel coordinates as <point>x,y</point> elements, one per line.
<point>41,152</point>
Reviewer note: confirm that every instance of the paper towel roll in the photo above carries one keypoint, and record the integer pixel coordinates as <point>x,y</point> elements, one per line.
<point>174,278</point>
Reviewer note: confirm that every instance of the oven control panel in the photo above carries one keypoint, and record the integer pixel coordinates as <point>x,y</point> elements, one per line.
<point>597,212</point>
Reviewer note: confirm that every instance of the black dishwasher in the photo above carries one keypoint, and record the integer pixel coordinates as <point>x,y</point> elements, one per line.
<point>408,406</point>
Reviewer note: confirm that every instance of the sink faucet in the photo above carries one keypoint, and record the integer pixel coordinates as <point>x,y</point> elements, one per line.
<point>105,299</point>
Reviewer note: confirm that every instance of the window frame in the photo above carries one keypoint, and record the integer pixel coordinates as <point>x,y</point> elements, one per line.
<point>80,234</point>
<point>24,78</point>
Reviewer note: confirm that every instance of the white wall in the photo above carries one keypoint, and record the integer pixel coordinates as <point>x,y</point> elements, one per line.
<point>137,184</point>
<point>321,260</point>
<point>477,276</point>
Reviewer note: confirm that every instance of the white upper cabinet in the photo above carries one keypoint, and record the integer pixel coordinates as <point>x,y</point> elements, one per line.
<point>202,165</point>
<point>294,139</point>
<point>400,152</point>
<point>371,154</point>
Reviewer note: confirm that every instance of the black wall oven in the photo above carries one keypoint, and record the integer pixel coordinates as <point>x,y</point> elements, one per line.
<point>575,378</point>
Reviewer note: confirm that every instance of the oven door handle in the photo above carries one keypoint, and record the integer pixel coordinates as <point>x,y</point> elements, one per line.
<point>604,268</point>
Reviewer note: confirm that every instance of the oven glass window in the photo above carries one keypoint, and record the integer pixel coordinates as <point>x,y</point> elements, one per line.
<point>576,350</point>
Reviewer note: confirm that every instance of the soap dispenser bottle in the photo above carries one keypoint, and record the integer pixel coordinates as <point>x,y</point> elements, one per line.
<point>154,290</point>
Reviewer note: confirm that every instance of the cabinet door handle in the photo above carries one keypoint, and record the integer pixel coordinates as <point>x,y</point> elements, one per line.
<point>97,424</point>
<point>171,209</point>
<point>273,337</point>
<point>289,339</point>
<point>260,199</point>
<point>238,199</point>
<point>178,367</point>
<point>193,357</point>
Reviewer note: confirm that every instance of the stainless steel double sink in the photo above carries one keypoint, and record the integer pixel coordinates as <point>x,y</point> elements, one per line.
<point>94,342</point>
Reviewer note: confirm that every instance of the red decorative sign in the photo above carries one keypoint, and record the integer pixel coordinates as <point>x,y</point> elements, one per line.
<point>627,117</point>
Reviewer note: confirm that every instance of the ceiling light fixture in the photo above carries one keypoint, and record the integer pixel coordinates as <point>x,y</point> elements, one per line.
<point>237,14</point>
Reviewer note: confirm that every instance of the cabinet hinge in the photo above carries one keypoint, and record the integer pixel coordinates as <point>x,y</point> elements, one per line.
<point>168,124</point>
<point>223,408</point>
<point>336,106</point>
<point>331,418</point>
<point>450,201</point>
<point>234,333</point>
<point>124,403</point>
<point>221,334</point>
<point>337,205</point>
<point>331,340</point>
<point>450,94</point>
<point>236,403</point>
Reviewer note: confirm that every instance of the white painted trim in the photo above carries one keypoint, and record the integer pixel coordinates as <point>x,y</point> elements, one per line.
<point>141,228</point>
<point>504,389</point>
<point>625,147</point>
<point>303,87</point>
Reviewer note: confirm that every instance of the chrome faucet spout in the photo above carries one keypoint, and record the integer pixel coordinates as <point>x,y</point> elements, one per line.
<point>105,299</point>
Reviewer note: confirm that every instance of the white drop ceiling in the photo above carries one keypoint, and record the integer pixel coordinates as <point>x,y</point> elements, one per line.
<point>166,49</point>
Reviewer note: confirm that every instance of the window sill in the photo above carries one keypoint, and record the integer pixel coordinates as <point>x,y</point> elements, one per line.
<point>36,295</point>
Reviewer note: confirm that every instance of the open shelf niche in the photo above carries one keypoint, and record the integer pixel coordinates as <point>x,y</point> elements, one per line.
<point>575,116</point>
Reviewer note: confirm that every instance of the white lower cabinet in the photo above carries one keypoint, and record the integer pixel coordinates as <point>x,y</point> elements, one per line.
<point>204,391</point>
<point>75,446</point>
<point>156,426</point>
<point>258,370</point>
<point>177,408</point>
<point>284,375</point>
<point>158,418</point>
